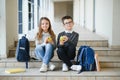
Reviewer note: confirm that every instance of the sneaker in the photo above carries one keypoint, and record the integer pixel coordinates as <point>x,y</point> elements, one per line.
<point>64,67</point>
<point>76,67</point>
<point>43,68</point>
<point>51,66</point>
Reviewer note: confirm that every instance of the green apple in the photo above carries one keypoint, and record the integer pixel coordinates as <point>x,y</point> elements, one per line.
<point>49,39</point>
<point>62,38</point>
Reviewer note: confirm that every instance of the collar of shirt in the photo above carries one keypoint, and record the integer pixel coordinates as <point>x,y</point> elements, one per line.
<point>68,31</point>
<point>47,34</point>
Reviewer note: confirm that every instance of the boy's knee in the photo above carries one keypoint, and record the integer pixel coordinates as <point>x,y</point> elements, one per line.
<point>59,50</point>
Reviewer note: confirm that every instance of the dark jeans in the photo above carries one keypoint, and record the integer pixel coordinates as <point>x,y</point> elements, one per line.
<point>66,54</point>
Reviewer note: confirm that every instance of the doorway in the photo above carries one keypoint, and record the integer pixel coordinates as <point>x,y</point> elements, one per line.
<point>61,9</point>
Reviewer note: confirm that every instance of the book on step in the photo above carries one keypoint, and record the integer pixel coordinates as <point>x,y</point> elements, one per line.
<point>15,70</point>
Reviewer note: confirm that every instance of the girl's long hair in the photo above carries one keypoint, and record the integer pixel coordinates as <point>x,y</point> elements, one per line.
<point>39,34</point>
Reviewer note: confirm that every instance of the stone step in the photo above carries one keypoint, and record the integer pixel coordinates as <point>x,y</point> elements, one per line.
<point>105,62</point>
<point>102,51</point>
<point>92,43</point>
<point>34,74</point>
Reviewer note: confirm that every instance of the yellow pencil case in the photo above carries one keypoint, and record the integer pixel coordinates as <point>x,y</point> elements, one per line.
<point>15,70</point>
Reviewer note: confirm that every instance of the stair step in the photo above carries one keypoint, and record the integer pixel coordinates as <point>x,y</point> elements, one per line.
<point>34,74</point>
<point>109,59</point>
<point>12,62</point>
<point>102,51</point>
<point>92,43</point>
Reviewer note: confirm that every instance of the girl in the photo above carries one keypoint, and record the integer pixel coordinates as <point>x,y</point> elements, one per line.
<point>45,44</point>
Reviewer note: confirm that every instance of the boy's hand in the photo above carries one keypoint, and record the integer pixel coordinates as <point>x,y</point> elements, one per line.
<point>63,39</point>
<point>61,43</point>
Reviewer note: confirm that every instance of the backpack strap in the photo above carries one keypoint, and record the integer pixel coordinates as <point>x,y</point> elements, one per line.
<point>80,56</point>
<point>26,64</point>
<point>79,53</point>
<point>80,59</point>
<point>86,58</point>
<point>86,53</point>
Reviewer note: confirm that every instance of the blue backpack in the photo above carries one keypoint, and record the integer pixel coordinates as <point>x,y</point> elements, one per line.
<point>85,58</point>
<point>22,51</point>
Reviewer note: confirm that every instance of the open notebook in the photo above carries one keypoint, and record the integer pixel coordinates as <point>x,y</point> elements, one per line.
<point>15,70</point>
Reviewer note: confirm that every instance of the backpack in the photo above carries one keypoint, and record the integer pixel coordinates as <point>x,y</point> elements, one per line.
<point>22,51</point>
<point>85,58</point>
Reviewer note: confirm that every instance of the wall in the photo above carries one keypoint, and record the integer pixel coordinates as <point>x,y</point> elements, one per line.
<point>76,11</point>
<point>2,28</point>
<point>116,23</point>
<point>89,14</point>
<point>82,16</point>
<point>104,16</point>
<point>70,8</point>
<point>107,17</point>
<point>11,22</point>
<point>61,9</point>
<point>61,0</point>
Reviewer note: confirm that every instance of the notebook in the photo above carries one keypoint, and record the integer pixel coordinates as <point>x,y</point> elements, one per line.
<point>15,70</point>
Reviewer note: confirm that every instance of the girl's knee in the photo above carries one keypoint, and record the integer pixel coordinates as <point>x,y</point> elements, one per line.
<point>49,45</point>
<point>38,48</point>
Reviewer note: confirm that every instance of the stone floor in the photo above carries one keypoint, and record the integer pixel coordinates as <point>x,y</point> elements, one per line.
<point>84,34</point>
<point>35,72</point>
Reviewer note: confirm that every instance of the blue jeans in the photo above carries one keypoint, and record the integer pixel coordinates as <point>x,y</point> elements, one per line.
<point>44,52</point>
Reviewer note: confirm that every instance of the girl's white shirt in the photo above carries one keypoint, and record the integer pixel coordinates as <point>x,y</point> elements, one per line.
<point>41,42</point>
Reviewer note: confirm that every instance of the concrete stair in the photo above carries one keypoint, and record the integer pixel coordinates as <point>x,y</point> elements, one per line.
<point>34,74</point>
<point>102,51</point>
<point>109,61</point>
<point>92,43</point>
<point>108,57</point>
<point>105,62</point>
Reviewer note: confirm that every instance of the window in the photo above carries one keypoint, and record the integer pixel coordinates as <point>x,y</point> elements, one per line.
<point>38,7</point>
<point>20,26</point>
<point>30,14</point>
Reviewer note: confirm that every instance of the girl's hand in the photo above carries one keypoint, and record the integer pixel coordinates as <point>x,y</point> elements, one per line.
<point>49,40</point>
<point>46,40</point>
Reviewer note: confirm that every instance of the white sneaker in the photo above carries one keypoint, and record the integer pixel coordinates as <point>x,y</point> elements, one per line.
<point>64,67</point>
<point>76,67</point>
<point>43,68</point>
<point>51,66</point>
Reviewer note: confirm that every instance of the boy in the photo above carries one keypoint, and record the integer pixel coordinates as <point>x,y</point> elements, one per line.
<point>66,44</point>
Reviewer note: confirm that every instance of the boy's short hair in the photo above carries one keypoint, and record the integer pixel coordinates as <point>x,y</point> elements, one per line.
<point>66,17</point>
